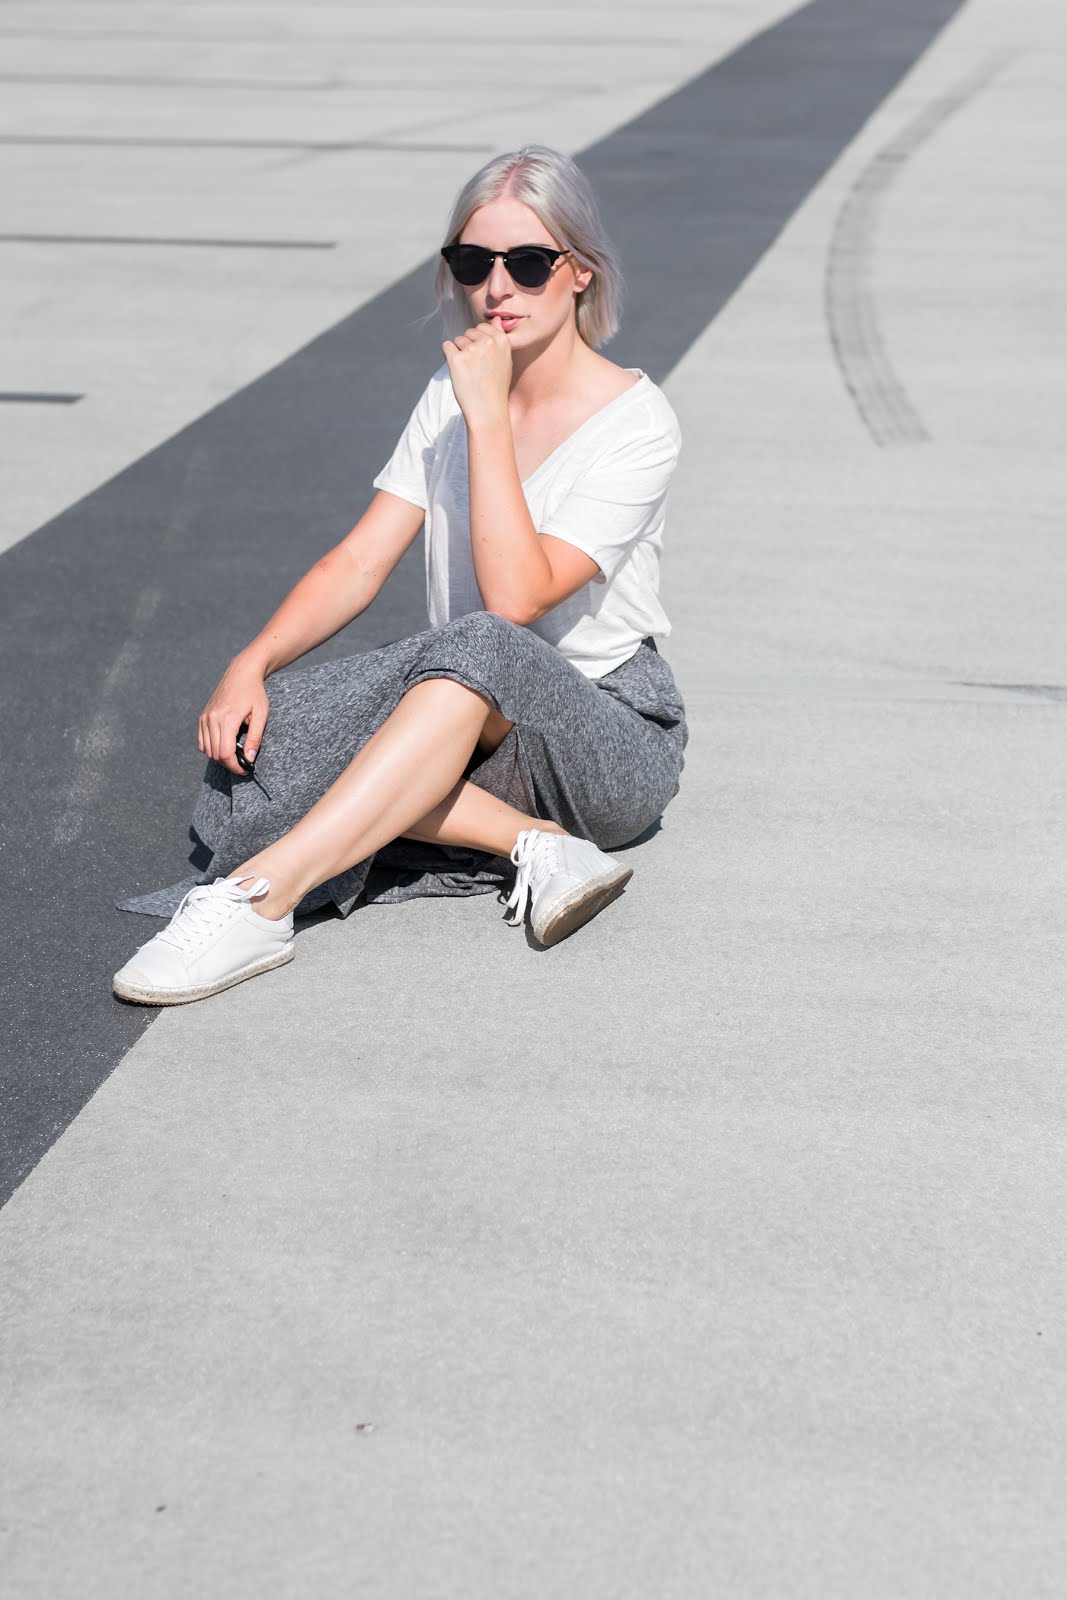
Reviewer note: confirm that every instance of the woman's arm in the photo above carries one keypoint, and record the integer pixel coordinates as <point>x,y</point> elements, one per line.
<point>336,589</point>
<point>521,573</point>
<point>341,584</point>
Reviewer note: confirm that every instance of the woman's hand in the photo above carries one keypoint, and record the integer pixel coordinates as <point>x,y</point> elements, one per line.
<point>479,364</point>
<point>240,697</point>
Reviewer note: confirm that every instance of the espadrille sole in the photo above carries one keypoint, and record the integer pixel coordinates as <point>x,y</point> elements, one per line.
<point>580,905</point>
<point>146,995</point>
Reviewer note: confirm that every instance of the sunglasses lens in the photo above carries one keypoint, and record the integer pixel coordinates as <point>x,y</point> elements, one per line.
<point>529,268</point>
<point>470,264</point>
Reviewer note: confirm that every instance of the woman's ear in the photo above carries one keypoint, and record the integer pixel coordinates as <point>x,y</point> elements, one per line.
<point>582,279</point>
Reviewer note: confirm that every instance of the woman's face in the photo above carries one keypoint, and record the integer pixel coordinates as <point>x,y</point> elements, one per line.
<point>527,316</point>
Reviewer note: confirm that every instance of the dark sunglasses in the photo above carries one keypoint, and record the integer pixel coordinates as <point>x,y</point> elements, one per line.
<point>528,265</point>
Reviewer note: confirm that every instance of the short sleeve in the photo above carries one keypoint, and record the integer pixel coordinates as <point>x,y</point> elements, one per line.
<point>407,472</point>
<point>618,499</point>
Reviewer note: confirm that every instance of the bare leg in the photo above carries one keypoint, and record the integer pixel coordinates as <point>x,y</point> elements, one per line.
<point>470,816</point>
<point>401,778</point>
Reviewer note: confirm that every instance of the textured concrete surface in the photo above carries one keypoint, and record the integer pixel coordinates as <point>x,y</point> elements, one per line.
<point>718,1250</point>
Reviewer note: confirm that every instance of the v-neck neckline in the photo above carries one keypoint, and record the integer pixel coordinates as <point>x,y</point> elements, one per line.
<point>595,417</point>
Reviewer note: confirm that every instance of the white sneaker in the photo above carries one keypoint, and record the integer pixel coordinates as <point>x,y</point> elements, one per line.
<point>565,880</point>
<point>213,940</point>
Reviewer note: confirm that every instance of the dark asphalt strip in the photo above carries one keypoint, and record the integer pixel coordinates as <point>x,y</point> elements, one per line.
<point>117,617</point>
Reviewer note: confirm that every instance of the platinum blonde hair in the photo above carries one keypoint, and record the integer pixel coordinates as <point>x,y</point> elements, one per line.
<point>559,192</point>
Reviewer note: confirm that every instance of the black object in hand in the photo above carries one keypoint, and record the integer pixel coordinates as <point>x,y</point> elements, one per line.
<point>243,761</point>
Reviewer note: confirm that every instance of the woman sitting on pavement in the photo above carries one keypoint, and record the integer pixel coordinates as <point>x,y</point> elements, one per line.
<point>535,720</point>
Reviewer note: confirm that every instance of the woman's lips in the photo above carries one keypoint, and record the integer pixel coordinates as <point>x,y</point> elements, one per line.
<point>504,321</point>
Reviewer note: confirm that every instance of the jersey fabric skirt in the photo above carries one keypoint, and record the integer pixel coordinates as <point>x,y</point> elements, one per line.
<point>600,756</point>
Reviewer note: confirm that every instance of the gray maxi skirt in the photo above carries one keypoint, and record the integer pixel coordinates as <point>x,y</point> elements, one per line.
<point>600,756</point>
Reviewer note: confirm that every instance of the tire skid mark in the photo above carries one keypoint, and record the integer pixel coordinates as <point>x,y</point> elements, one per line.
<point>851,310</point>
<point>95,745</point>
<point>103,737</point>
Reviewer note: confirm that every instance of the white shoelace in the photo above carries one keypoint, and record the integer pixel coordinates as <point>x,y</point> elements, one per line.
<point>535,857</point>
<point>207,908</point>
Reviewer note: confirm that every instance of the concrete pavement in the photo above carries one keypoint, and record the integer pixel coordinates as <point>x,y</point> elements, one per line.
<point>718,1250</point>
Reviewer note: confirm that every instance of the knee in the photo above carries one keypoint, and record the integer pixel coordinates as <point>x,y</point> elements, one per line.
<point>477,650</point>
<point>470,644</point>
<point>479,628</point>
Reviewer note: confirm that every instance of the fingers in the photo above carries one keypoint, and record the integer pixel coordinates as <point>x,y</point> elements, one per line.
<point>257,721</point>
<point>227,741</point>
<point>487,330</point>
<point>223,740</point>
<point>239,697</point>
<point>482,331</point>
<point>217,735</point>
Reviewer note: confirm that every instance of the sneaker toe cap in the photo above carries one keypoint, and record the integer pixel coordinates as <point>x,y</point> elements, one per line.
<point>150,969</point>
<point>133,977</point>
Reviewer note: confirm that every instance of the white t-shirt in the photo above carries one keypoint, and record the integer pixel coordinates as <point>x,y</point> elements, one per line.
<point>604,490</point>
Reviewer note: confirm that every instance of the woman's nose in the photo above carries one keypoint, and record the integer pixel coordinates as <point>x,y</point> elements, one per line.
<point>499,282</point>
